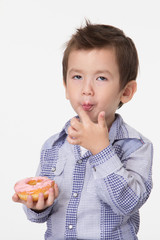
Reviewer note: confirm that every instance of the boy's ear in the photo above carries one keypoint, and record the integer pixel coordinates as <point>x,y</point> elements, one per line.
<point>128,91</point>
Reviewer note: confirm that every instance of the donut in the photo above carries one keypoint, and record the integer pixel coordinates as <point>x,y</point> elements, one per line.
<point>33,186</point>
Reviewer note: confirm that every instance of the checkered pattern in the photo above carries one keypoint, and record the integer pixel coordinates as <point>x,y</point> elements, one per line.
<point>108,227</point>
<point>102,157</point>
<point>121,194</point>
<point>78,180</point>
<point>119,151</point>
<point>48,233</point>
<point>134,219</point>
<point>121,129</point>
<point>49,159</point>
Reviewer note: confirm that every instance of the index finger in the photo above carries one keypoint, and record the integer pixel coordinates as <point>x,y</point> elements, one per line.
<point>16,199</point>
<point>82,114</point>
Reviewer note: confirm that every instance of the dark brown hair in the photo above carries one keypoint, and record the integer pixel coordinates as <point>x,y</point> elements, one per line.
<point>101,36</point>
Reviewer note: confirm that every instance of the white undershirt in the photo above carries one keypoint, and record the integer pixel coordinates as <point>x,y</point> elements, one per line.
<point>83,150</point>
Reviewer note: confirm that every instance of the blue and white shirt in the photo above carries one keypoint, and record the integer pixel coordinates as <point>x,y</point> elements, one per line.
<point>100,195</point>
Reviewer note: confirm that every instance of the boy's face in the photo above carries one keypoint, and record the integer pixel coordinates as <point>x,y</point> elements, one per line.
<point>93,82</point>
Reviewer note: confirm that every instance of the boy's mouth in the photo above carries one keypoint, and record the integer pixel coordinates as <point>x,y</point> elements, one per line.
<point>87,107</point>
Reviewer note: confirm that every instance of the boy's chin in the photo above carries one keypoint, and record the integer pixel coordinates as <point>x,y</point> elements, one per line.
<point>93,119</point>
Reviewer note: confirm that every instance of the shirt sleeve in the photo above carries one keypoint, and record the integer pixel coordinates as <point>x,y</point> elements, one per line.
<point>32,215</point>
<point>124,184</point>
<point>37,217</point>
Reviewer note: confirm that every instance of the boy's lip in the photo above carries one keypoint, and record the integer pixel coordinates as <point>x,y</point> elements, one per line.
<point>87,106</point>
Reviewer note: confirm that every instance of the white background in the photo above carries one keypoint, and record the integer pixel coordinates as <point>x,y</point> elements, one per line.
<point>32,101</point>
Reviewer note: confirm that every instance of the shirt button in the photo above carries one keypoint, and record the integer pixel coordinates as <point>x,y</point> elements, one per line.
<point>53,169</point>
<point>80,161</point>
<point>70,227</point>
<point>75,194</point>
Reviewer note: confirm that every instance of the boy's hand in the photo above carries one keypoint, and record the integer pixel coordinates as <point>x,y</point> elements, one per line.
<point>41,204</point>
<point>90,135</point>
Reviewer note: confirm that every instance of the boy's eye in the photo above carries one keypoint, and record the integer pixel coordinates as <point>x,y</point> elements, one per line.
<point>77,77</point>
<point>101,78</point>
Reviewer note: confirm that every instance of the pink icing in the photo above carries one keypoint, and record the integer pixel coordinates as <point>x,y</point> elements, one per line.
<point>23,186</point>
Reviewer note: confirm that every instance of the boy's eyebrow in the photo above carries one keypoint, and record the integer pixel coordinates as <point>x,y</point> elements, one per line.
<point>75,70</point>
<point>103,71</point>
<point>97,72</point>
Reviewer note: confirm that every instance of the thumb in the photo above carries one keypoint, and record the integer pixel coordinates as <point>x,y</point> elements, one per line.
<point>101,119</point>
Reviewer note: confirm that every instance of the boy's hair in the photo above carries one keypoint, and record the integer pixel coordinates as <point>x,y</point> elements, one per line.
<point>100,36</point>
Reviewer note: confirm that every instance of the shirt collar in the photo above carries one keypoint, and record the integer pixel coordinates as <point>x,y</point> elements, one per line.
<point>120,130</point>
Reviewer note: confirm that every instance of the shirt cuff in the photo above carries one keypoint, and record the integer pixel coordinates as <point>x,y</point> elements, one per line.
<point>37,217</point>
<point>105,162</point>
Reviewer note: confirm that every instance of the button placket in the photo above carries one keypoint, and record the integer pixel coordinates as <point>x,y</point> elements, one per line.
<point>78,179</point>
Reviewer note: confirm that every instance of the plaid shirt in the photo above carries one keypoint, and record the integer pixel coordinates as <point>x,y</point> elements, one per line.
<point>100,195</point>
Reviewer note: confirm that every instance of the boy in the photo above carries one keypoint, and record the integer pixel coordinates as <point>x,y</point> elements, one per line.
<point>101,166</point>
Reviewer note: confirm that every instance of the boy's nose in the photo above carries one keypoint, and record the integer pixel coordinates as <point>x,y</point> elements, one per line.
<point>87,89</point>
